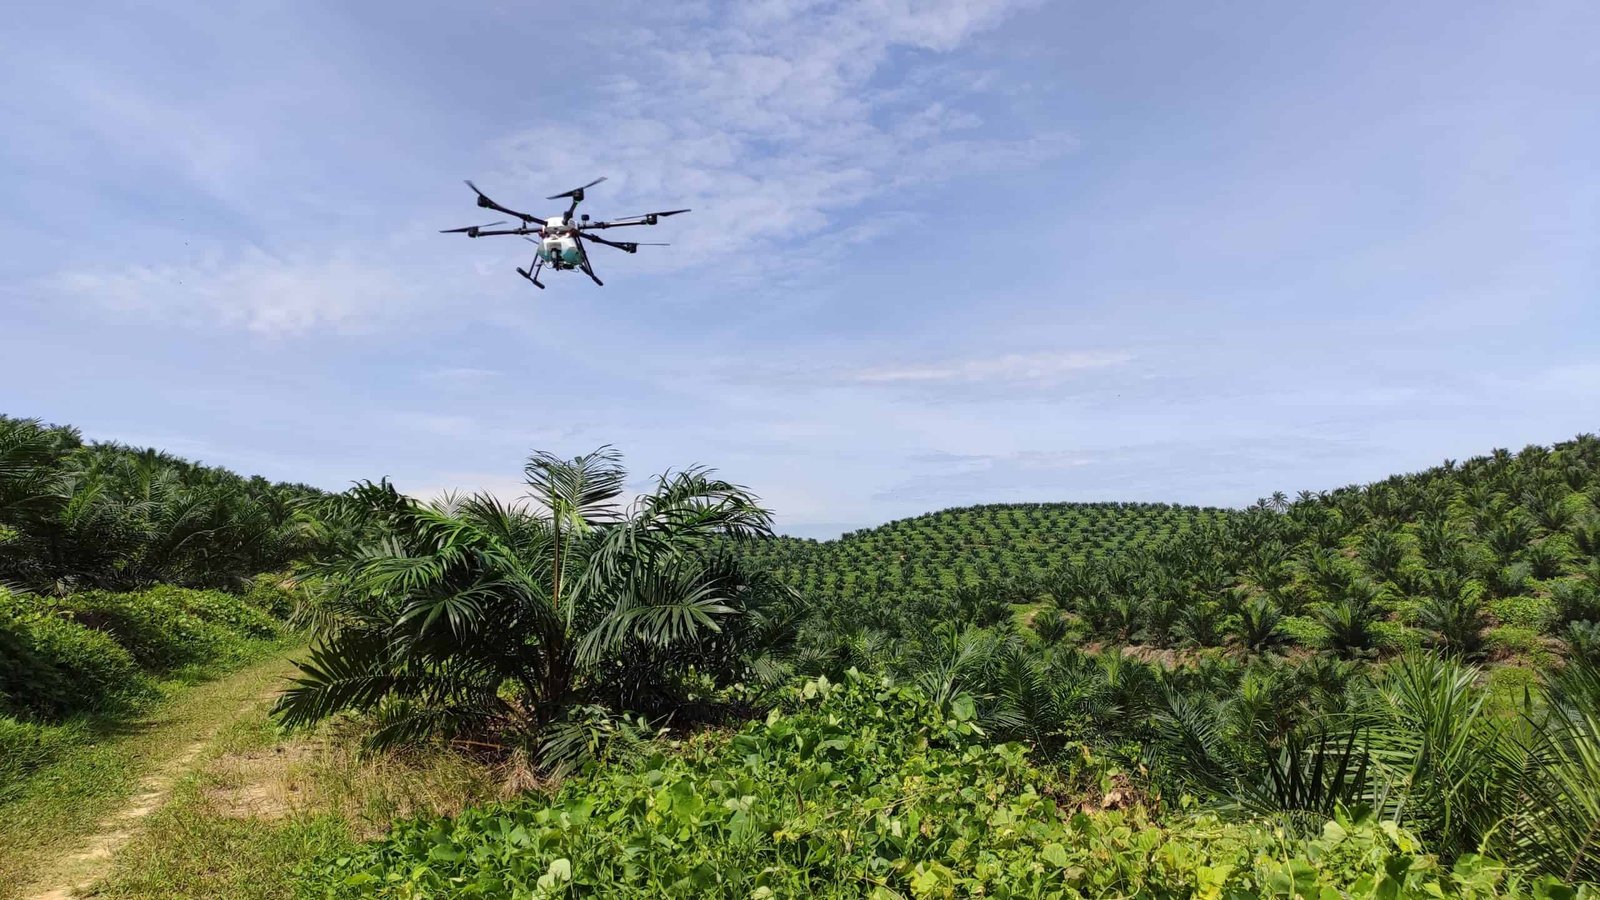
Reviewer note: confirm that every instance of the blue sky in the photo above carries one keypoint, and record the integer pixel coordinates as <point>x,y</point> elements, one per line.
<point>941,252</point>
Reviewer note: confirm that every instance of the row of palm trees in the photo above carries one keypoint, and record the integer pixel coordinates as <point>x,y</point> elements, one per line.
<point>76,515</point>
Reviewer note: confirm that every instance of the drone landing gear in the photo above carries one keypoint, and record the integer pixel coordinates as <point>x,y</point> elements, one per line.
<point>533,276</point>
<point>583,263</point>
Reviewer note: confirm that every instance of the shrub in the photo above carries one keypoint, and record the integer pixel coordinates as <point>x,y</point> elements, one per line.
<point>168,627</point>
<point>1532,613</point>
<point>1397,637</point>
<point>1051,625</point>
<point>1304,630</point>
<point>1583,640</point>
<point>276,595</point>
<point>232,612</point>
<point>1576,600</point>
<point>867,790</point>
<point>1513,640</point>
<point>52,667</point>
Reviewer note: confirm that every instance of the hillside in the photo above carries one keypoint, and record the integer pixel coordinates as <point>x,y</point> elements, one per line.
<point>975,545</point>
<point>1491,557</point>
<point>83,514</point>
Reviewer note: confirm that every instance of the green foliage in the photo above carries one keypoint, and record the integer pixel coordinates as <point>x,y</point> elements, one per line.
<point>102,515</point>
<point>52,667</point>
<point>977,545</point>
<point>473,617</point>
<point>1536,614</point>
<point>90,652</point>
<point>27,746</point>
<point>869,789</point>
<point>1394,636</point>
<point>168,627</point>
<point>276,595</point>
<point>1304,630</point>
<point>1515,641</point>
<point>1437,549</point>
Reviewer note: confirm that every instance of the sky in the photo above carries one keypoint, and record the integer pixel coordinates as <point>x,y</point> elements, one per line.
<point>941,252</point>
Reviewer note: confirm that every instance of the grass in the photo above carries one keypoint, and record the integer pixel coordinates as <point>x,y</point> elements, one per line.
<point>262,803</point>
<point>56,808</point>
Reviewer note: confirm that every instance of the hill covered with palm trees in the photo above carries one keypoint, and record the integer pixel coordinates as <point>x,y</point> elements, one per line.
<point>1493,555</point>
<point>976,545</point>
<point>77,514</point>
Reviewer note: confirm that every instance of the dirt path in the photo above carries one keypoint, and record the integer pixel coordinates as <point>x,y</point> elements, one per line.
<point>174,744</point>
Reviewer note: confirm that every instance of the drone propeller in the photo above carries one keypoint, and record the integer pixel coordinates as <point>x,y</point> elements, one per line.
<point>470,230</point>
<point>577,192</point>
<point>641,219</point>
<point>486,203</point>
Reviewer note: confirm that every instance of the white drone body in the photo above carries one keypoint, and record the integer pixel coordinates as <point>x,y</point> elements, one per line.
<point>561,238</point>
<point>557,244</point>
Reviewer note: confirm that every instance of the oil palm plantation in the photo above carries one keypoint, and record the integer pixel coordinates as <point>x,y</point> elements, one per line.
<point>474,616</point>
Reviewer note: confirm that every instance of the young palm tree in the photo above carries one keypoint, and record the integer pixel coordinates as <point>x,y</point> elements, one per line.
<point>478,616</point>
<point>1259,625</point>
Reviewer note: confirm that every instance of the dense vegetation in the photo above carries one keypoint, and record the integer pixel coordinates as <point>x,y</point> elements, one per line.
<point>866,789</point>
<point>974,545</point>
<point>111,561</point>
<point>1236,680</point>
<point>1493,557</point>
<point>75,665</point>
<point>471,618</point>
<point>77,515</point>
<point>1386,690</point>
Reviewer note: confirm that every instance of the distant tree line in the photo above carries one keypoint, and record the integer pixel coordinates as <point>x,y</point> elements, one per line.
<point>80,515</point>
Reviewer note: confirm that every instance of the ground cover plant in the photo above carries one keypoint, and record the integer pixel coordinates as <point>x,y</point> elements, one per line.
<point>870,789</point>
<point>80,665</point>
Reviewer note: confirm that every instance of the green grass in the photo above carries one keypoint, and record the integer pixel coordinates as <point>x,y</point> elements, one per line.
<point>57,807</point>
<point>317,796</point>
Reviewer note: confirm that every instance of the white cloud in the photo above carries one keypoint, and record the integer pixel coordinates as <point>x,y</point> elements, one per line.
<point>257,291</point>
<point>1025,368</point>
<point>772,119</point>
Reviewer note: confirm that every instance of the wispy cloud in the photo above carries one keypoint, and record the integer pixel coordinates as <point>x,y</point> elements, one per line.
<point>257,291</point>
<point>1023,368</point>
<point>776,118</point>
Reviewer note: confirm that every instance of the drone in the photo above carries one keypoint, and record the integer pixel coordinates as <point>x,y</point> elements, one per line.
<point>562,240</point>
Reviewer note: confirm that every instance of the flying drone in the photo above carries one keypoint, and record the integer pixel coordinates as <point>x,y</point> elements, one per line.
<point>562,240</point>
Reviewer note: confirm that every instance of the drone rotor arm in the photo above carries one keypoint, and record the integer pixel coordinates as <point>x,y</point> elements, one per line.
<point>629,246</point>
<point>641,219</point>
<point>482,233</point>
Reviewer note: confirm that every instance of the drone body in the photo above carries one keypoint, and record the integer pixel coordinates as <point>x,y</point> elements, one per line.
<point>562,240</point>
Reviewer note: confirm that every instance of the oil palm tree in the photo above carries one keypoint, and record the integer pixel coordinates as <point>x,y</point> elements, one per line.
<point>474,615</point>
